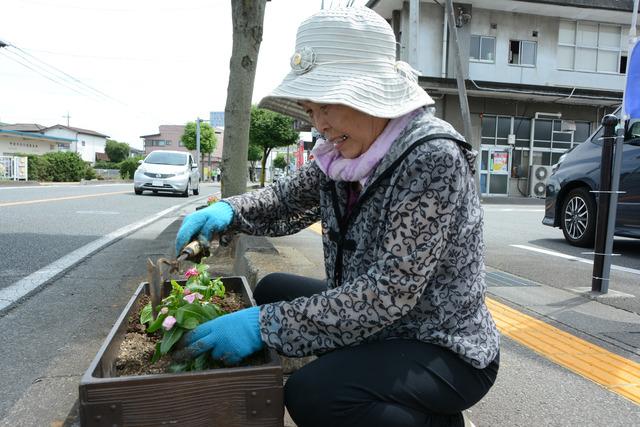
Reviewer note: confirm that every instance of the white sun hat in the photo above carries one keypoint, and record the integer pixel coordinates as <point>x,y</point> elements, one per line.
<point>347,56</point>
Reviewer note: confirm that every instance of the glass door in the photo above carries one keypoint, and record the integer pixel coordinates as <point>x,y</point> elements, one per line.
<point>495,164</point>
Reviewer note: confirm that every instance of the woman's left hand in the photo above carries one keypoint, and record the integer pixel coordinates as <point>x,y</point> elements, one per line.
<point>230,337</point>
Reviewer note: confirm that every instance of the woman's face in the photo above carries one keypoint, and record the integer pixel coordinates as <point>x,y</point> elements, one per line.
<point>351,131</point>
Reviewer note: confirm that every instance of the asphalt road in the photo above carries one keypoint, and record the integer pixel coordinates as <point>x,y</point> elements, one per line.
<point>41,224</point>
<point>518,243</point>
<point>50,336</point>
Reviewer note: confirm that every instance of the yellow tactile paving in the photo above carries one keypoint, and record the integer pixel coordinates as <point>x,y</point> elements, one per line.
<point>615,373</point>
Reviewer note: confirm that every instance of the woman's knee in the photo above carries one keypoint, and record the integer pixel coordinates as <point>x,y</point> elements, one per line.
<point>266,290</point>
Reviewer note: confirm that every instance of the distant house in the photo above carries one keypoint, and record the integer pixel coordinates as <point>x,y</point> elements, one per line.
<point>28,138</point>
<point>87,143</point>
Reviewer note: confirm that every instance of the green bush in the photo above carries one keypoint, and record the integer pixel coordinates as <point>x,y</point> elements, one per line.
<point>65,166</point>
<point>101,164</point>
<point>128,167</point>
<point>89,172</point>
<point>37,168</point>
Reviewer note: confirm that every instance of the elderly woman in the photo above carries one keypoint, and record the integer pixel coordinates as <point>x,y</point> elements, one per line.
<point>400,323</point>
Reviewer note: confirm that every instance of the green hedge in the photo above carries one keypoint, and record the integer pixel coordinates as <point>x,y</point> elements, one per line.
<point>58,167</point>
<point>101,164</point>
<point>37,168</point>
<point>65,166</point>
<point>128,167</point>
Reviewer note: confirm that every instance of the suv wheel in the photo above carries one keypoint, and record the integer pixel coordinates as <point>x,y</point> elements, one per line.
<point>578,219</point>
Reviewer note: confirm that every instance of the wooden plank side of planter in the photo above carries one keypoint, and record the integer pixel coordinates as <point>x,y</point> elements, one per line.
<point>227,397</point>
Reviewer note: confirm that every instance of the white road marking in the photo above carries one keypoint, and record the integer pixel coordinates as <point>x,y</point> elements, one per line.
<point>573,258</point>
<point>490,209</point>
<point>22,288</point>
<point>98,212</point>
<point>22,187</point>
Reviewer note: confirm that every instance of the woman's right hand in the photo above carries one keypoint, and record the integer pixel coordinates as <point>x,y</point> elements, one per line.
<point>212,219</point>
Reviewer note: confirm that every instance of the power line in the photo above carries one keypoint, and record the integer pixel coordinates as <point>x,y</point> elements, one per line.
<point>69,76</point>
<point>35,70</point>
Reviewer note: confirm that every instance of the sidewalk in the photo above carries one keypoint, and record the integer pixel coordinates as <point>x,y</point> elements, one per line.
<point>554,370</point>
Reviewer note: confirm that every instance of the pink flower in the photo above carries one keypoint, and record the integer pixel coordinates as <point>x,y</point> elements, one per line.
<point>168,323</point>
<point>191,272</point>
<point>192,297</point>
<point>186,291</point>
<point>164,310</point>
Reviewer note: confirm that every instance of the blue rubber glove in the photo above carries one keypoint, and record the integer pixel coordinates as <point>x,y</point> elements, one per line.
<point>212,219</point>
<point>230,337</point>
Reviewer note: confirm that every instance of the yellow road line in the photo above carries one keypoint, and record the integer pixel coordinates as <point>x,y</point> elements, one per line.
<point>56,199</point>
<point>615,373</point>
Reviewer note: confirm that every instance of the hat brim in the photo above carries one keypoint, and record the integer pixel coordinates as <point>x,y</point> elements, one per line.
<point>386,94</point>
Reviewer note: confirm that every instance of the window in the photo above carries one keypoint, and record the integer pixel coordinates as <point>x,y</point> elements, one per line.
<point>590,46</point>
<point>157,143</point>
<point>522,53</point>
<point>482,49</point>
<point>83,143</point>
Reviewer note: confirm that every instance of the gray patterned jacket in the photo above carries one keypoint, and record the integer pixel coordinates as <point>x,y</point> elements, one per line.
<point>407,263</point>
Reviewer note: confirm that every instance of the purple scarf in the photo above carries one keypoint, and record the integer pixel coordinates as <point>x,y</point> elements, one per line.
<point>331,162</point>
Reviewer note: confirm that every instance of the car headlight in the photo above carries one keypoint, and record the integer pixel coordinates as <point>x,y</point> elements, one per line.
<point>181,173</point>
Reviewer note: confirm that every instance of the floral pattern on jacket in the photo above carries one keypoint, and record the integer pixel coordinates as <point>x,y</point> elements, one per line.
<point>407,263</point>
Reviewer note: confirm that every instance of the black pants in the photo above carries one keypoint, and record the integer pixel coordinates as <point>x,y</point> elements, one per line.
<point>391,383</point>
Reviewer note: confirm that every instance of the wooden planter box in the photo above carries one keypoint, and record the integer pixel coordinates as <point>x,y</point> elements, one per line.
<point>242,396</point>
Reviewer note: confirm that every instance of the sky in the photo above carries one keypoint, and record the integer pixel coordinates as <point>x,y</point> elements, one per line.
<point>123,67</point>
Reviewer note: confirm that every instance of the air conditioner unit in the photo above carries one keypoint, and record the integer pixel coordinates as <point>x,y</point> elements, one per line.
<point>538,180</point>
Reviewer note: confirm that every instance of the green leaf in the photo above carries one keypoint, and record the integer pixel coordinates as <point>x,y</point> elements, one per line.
<point>192,311</point>
<point>200,362</point>
<point>157,354</point>
<point>176,288</point>
<point>156,324</point>
<point>212,311</point>
<point>170,338</point>
<point>190,323</point>
<point>179,367</point>
<point>146,314</point>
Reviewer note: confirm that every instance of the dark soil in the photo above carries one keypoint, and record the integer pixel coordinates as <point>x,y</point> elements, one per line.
<point>138,347</point>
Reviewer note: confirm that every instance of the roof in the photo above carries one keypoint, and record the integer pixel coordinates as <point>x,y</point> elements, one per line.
<point>617,5</point>
<point>149,136</point>
<point>78,130</point>
<point>35,135</point>
<point>23,127</point>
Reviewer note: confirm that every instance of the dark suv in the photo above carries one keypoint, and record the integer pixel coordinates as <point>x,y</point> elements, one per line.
<point>571,205</point>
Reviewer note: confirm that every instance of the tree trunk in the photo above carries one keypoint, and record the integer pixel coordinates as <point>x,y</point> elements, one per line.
<point>248,17</point>
<point>263,162</point>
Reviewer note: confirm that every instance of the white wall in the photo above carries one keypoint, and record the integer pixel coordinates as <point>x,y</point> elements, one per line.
<point>92,144</point>
<point>510,26</point>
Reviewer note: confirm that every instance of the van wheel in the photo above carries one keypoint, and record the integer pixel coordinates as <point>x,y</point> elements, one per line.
<point>578,219</point>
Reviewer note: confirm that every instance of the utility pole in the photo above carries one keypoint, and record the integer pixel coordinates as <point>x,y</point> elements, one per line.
<point>67,117</point>
<point>462,89</point>
<point>198,148</point>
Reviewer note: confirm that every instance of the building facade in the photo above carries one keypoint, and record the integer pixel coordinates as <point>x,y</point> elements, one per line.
<point>31,138</point>
<point>540,75</point>
<point>87,143</point>
<point>168,138</point>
